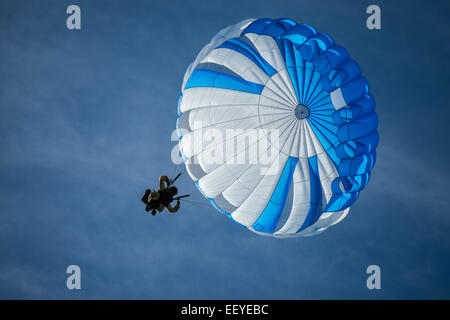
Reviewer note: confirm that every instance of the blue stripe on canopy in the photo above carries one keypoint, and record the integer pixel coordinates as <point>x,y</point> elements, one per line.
<point>269,27</point>
<point>341,201</point>
<point>257,26</point>
<point>326,138</point>
<point>315,205</point>
<point>299,33</point>
<point>294,64</point>
<point>214,79</point>
<point>268,219</point>
<point>178,105</point>
<point>246,50</point>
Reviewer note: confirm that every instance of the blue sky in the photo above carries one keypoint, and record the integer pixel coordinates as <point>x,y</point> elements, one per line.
<point>85,125</point>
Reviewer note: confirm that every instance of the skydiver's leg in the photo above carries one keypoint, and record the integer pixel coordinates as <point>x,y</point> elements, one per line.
<point>173,209</point>
<point>163,182</point>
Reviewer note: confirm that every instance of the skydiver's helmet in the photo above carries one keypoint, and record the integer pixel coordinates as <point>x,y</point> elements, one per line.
<point>173,191</point>
<point>153,196</point>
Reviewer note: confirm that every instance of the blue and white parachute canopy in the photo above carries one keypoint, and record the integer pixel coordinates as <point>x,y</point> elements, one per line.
<point>277,75</point>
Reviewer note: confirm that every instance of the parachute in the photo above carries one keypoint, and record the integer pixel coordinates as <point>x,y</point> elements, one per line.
<point>310,104</point>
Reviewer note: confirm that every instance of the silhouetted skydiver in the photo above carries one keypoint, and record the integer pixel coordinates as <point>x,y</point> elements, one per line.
<point>156,201</point>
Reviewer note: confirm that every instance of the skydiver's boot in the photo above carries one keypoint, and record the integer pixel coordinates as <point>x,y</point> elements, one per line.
<point>145,197</point>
